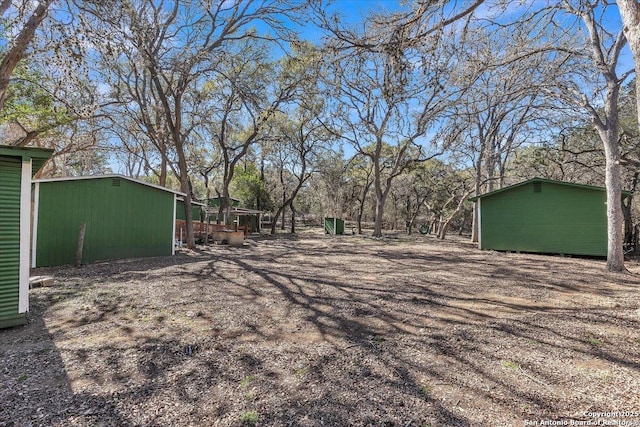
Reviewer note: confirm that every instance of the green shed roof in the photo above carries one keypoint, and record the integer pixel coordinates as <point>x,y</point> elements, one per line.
<point>625,194</point>
<point>214,202</point>
<point>128,178</point>
<point>38,156</point>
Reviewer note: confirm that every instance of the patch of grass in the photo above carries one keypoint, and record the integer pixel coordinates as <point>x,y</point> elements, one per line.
<point>249,396</point>
<point>23,377</point>
<point>249,418</point>
<point>301,371</point>
<point>146,319</point>
<point>44,350</point>
<point>246,381</point>
<point>594,341</point>
<point>509,364</point>
<point>425,390</point>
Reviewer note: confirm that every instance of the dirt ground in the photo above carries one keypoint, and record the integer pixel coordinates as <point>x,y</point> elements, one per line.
<point>328,331</point>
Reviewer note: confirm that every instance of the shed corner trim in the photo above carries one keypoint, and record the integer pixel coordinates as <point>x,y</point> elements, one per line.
<point>25,228</point>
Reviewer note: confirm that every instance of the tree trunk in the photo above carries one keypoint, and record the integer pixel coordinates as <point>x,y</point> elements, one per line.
<point>615,218</point>
<point>476,213</point>
<point>445,225</point>
<point>362,201</point>
<point>163,170</point>
<point>226,203</point>
<point>276,216</point>
<point>380,199</point>
<point>359,217</point>
<point>377,230</point>
<point>293,217</point>
<point>20,44</point>
<point>630,14</point>
<point>465,218</point>
<point>608,131</point>
<point>185,187</point>
<point>282,220</point>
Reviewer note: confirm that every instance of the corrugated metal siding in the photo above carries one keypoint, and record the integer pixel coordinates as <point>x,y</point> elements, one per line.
<point>195,211</point>
<point>124,220</point>
<point>557,219</point>
<point>10,176</point>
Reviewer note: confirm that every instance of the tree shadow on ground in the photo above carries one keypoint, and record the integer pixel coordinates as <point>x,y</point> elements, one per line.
<point>334,333</point>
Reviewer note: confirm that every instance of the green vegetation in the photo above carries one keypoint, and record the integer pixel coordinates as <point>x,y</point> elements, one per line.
<point>595,341</point>
<point>301,371</point>
<point>510,365</point>
<point>246,382</point>
<point>249,418</point>
<point>425,391</point>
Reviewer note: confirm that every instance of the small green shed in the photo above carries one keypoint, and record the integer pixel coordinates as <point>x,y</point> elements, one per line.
<point>334,226</point>
<point>17,167</point>
<point>545,216</point>
<point>124,217</point>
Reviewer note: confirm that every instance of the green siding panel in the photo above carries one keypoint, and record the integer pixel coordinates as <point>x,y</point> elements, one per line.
<point>334,225</point>
<point>10,179</point>
<point>558,219</point>
<point>215,202</point>
<point>180,213</point>
<point>123,219</point>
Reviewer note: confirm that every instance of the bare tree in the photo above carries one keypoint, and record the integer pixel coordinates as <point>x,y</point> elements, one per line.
<point>302,139</point>
<point>243,101</point>
<point>392,78</point>
<point>604,48</point>
<point>503,106</point>
<point>179,45</point>
<point>630,14</point>
<point>585,55</point>
<point>359,174</point>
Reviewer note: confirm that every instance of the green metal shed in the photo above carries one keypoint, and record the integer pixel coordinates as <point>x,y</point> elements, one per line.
<point>333,226</point>
<point>17,167</point>
<point>214,202</point>
<point>545,216</point>
<point>196,210</point>
<point>124,217</point>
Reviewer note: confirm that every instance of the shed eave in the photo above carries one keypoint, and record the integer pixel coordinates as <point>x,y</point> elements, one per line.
<point>109,176</point>
<point>181,197</point>
<point>37,155</point>
<point>625,194</point>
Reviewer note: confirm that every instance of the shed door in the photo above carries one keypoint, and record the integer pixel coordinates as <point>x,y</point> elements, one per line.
<point>10,175</point>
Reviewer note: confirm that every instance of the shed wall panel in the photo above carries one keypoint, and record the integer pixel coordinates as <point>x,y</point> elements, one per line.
<point>180,211</point>
<point>558,219</point>
<point>123,220</point>
<point>10,187</point>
